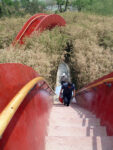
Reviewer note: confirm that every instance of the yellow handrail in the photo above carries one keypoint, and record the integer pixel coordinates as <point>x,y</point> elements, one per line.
<point>95,84</point>
<point>9,111</point>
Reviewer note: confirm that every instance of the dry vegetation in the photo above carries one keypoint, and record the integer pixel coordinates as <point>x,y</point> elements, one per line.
<point>91,39</point>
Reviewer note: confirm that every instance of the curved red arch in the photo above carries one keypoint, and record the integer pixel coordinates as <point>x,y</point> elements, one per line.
<point>50,21</point>
<point>38,22</point>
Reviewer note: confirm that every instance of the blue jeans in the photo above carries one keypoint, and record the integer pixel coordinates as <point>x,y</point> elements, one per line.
<point>67,100</point>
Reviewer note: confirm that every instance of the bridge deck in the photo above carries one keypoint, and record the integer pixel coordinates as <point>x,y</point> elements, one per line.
<point>74,128</point>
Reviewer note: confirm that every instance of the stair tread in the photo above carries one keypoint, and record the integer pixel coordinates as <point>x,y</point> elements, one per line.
<point>76,131</point>
<point>74,123</point>
<point>73,114</point>
<point>80,113</point>
<point>72,118</point>
<point>79,143</point>
<point>71,125</point>
<point>74,128</point>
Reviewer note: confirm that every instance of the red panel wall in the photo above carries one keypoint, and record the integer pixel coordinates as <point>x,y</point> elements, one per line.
<point>99,100</point>
<point>27,129</point>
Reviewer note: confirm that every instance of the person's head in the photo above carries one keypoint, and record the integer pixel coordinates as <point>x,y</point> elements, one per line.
<point>63,75</point>
<point>69,84</point>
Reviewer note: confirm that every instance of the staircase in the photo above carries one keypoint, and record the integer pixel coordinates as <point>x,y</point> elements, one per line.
<point>74,128</point>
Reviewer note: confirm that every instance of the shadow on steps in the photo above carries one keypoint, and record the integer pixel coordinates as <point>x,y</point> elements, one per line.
<point>100,141</point>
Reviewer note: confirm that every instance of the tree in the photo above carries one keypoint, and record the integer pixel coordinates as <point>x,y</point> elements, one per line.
<point>6,7</point>
<point>62,5</point>
<point>0,9</point>
<point>66,5</point>
<point>7,2</point>
<point>81,4</point>
<point>33,6</point>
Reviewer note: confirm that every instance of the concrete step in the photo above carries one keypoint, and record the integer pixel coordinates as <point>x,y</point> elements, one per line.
<point>72,108</point>
<point>74,121</point>
<point>79,143</point>
<point>76,131</point>
<point>74,128</point>
<point>68,116</point>
<point>71,113</point>
<point>71,125</point>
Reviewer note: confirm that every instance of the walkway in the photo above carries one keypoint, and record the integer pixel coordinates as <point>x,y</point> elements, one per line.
<point>74,128</point>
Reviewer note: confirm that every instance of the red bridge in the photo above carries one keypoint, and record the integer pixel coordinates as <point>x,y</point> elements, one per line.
<point>29,122</point>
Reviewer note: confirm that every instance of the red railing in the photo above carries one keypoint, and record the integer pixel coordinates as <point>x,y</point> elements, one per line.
<point>98,98</point>
<point>38,23</point>
<point>24,119</point>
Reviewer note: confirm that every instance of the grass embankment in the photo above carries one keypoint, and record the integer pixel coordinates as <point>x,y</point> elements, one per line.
<point>90,38</point>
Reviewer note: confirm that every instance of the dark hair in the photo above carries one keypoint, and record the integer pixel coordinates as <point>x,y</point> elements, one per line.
<point>69,84</point>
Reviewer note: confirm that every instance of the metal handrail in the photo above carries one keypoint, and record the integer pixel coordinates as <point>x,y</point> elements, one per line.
<point>9,111</point>
<point>95,85</point>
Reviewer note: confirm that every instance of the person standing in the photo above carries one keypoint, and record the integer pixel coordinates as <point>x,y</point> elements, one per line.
<point>68,90</point>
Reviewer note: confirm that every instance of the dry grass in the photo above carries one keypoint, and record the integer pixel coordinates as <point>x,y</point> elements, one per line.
<point>90,35</point>
<point>38,53</point>
<point>9,27</point>
<point>92,38</point>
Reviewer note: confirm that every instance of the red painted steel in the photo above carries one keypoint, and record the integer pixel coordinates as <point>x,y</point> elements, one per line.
<point>27,128</point>
<point>28,27</point>
<point>99,100</point>
<point>39,23</point>
<point>50,21</point>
